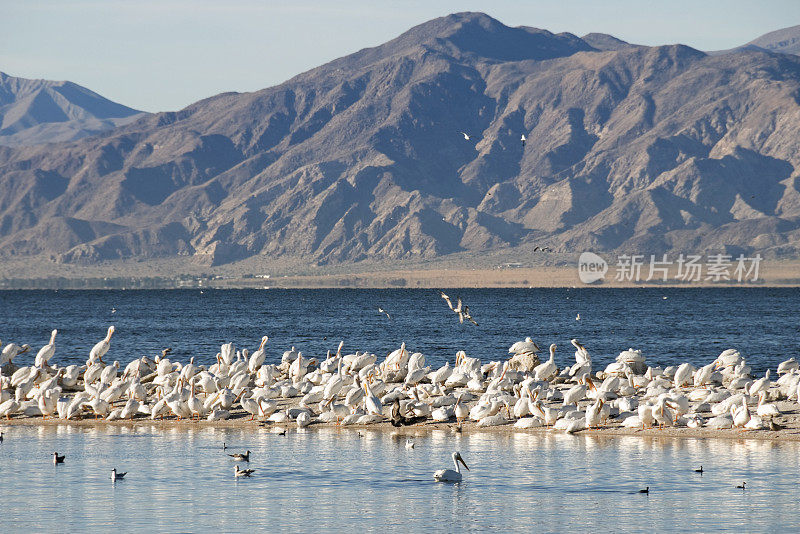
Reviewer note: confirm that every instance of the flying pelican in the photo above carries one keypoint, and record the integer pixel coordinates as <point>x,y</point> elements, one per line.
<point>58,459</point>
<point>241,457</point>
<point>117,476</point>
<point>242,472</point>
<point>381,310</point>
<point>448,475</point>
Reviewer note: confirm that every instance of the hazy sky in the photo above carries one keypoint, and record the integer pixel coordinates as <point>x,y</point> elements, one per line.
<point>159,55</point>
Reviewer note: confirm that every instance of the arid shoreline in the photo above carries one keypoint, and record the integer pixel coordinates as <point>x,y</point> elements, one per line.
<point>239,420</point>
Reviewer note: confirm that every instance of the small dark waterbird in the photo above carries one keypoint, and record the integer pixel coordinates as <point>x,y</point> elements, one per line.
<point>742,486</point>
<point>699,470</point>
<point>58,459</point>
<point>239,457</point>
<point>646,490</point>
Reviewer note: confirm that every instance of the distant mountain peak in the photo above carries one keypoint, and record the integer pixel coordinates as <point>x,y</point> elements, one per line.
<point>36,111</point>
<point>786,40</point>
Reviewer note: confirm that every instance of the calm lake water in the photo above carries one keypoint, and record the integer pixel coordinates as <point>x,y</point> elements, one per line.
<point>334,480</point>
<point>692,325</point>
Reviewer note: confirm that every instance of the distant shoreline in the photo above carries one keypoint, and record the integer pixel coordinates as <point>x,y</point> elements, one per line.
<point>452,273</point>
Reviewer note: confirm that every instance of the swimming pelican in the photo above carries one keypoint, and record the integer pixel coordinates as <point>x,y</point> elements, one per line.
<point>100,349</point>
<point>46,352</point>
<point>117,476</point>
<point>448,475</point>
<point>58,459</point>
<point>241,457</point>
<point>242,472</point>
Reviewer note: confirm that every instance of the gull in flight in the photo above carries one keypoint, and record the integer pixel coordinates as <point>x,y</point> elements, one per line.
<point>381,310</point>
<point>466,137</point>
<point>459,309</point>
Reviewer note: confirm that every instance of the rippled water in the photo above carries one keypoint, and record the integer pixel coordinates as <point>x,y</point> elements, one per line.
<point>691,324</point>
<point>329,479</point>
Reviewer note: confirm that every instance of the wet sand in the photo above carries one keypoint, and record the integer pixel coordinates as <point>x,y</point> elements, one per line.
<point>239,419</point>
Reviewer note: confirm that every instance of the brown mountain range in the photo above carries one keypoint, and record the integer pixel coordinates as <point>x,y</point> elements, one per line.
<point>629,148</point>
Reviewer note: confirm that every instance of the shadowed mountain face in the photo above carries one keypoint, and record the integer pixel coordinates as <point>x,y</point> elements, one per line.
<point>630,148</point>
<point>42,111</point>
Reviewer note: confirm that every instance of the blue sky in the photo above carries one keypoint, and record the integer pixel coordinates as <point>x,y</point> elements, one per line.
<point>159,55</point>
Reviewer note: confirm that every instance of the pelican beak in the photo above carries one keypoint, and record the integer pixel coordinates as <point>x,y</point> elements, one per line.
<point>460,459</point>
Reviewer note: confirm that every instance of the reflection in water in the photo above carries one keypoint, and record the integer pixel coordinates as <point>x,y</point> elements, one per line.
<point>334,478</point>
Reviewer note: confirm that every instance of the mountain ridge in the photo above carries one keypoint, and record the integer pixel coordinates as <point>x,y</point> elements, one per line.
<point>631,148</point>
<point>43,111</point>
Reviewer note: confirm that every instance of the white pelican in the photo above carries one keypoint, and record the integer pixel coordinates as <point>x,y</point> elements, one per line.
<point>683,374</point>
<point>100,349</point>
<point>740,415</point>
<point>448,475</point>
<point>524,346</point>
<point>594,414</point>
<point>762,384</point>
<point>242,472</point>
<point>11,351</point>
<point>8,407</point>
<point>46,352</point>
<point>784,367</point>
<point>547,369</point>
<point>371,402</point>
<point>258,357</point>
<point>766,410</point>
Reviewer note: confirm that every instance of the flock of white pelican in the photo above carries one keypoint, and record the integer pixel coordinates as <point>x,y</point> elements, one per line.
<point>358,389</point>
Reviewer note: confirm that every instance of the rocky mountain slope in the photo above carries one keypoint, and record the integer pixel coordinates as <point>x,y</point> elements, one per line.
<point>629,148</point>
<point>43,111</point>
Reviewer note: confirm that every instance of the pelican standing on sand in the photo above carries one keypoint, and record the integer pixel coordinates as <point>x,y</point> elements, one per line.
<point>46,352</point>
<point>100,349</point>
<point>448,475</point>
